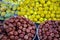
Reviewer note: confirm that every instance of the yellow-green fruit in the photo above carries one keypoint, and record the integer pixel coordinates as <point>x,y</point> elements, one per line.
<point>58,16</point>
<point>7,10</point>
<point>41,19</point>
<point>45,19</point>
<point>42,1</point>
<point>11,1</point>
<point>58,19</point>
<point>42,15</point>
<point>48,2</point>
<point>38,21</point>
<point>35,20</point>
<point>3,14</point>
<point>38,16</point>
<point>47,16</point>
<point>54,18</point>
<point>52,15</point>
<point>50,19</point>
<point>39,10</point>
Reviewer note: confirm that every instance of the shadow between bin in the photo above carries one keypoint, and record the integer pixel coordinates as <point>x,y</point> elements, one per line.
<point>36,38</point>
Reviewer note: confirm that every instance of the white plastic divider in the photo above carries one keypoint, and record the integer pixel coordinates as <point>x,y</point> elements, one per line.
<point>37,33</point>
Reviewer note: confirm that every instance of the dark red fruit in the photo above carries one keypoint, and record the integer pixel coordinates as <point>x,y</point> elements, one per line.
<point>49,30</point>
<point>19,28</point>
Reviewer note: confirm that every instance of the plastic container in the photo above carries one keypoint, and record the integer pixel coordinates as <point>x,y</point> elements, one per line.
<point>36,35</point>
<point>34,38</point>
<point>36,25</point>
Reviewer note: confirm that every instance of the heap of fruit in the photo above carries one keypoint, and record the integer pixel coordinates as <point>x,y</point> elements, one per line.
<point>11,1</point>
<point>18,28</point>
<point>49,30</point>
<point>40,10</point>
<point>1,27</point>
<point>2,34</point>
<point>7,10</point>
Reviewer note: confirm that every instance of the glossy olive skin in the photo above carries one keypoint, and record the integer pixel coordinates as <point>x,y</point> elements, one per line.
<point>19,28</point>
<point>49,30</point>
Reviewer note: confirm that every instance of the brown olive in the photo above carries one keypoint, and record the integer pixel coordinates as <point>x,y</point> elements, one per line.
<point>30,28</point>
<point>11,20</point>
<point>49,37</point>
<point>24,29</point>
<point>19,31</point>
<point>8,39</point>
<point>5,26</point>
<point>59,28</point>
<point>11,25</point>
<point>25,25</point>
<point>52,34</point>
<point>27,30</point>
<point>32,31</point>
<point>12,37</point>
<point>29,34</point>
<point>15,33</point>
<point>55,39</point>
<point>59,38</point>
<point>18,23</point>
<point>9,29</point>
<point>19,28</point>
<point>26,37</point>
<point>24,33</point>
<point>30,38</point>
<point>11,33</point>
<point>1,36</point>
<point>21,35</point>
<point>41,37</point>
<point>0,30</point>
<point>16,37</point>
<point>16,20</point>
<point>19,39</point>
<point>5,37</point>
<point>56,35</point>
<point>49,30</point>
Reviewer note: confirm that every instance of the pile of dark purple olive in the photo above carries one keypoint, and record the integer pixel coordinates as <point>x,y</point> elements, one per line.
<point>21,28</point>
<point>49,30</point>
<point>18,28</point>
